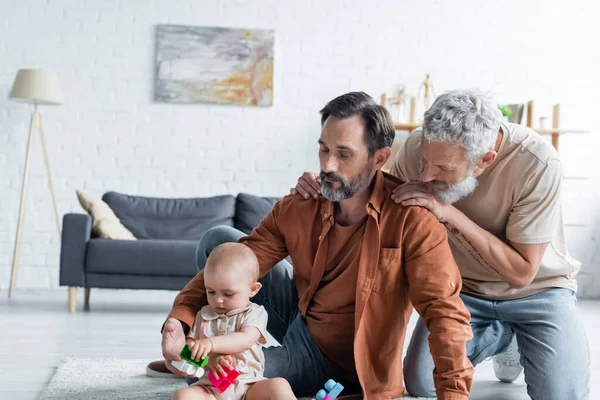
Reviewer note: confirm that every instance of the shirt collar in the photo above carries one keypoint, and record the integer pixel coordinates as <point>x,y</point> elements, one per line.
<point>208,314</point>
<point>375,201</point>
<point>378,194</point>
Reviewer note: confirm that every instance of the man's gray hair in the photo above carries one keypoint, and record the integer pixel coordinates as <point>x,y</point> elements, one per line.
<point>466,118</point>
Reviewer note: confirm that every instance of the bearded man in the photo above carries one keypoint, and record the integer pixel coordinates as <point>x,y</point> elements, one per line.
<point>496,186</point>
<point>359,261</point>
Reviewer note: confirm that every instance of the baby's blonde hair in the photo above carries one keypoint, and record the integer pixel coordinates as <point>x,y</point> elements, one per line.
<point>230,256</point>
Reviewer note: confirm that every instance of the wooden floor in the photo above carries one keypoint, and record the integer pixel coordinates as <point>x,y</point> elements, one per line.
<point>37,332</point>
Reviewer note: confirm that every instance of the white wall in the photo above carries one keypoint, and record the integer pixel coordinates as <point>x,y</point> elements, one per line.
<point>110,135</point>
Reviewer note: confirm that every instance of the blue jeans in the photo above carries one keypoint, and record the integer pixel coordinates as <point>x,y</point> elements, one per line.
<point>299,359</point>
<point>550,336</point>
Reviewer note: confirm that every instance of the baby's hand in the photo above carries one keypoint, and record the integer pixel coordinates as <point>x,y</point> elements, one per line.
<point>216,365</point>
<point>200,348</point>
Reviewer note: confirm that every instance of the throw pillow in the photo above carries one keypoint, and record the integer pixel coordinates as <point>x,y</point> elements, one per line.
<point>105,223</point>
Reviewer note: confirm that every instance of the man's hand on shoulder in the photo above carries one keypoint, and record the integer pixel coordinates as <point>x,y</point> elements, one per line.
<point>416,193</point>
<point>309,185</point>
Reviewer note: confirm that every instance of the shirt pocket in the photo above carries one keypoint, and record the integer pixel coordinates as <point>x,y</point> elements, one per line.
<point>388,273</point>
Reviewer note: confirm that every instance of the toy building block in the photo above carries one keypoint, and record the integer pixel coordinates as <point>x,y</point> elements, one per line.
<point>188,365</point>
<point>331,392</point>
<point>188,368</point>
<point>186,355</point>
<point>222,383</point>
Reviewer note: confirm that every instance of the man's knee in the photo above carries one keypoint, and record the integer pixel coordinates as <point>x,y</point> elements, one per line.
<point>418,384</point>
<point>218,235</point>
<point>558,389</point>
<point>211,239</point>
<point>418,364</point>
<point>557,379</point>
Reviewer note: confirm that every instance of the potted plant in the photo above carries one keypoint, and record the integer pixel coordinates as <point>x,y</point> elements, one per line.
<point>506,112</point>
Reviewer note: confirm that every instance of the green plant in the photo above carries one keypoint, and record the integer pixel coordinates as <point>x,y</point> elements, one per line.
<point>505,110</point>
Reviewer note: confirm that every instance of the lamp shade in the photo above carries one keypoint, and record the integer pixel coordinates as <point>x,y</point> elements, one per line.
<point>36,86</point>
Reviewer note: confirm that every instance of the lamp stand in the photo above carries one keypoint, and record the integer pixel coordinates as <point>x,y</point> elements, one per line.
<point>36,122</point>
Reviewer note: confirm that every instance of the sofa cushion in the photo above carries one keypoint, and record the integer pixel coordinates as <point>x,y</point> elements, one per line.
<point>250,210</point>
<point>176,219</point>
<point>105,223</point>
<point>142,257</point>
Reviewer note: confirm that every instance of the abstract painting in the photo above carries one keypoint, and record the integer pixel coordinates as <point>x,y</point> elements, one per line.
<point>214,65</point>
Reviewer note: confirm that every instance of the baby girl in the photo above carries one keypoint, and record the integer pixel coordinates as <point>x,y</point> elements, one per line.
<point>231,330</point>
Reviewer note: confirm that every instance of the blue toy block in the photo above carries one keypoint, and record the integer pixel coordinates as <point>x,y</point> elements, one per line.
<point>332,390</point>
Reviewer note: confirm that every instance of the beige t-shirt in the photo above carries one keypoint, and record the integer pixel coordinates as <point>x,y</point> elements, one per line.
<point>518,199</point>
<point>250,363</point>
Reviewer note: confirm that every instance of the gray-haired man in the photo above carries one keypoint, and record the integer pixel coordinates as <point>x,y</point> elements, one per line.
<point>496,187</point>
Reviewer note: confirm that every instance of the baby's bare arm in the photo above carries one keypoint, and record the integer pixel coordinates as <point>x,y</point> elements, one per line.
<point>237,342</point>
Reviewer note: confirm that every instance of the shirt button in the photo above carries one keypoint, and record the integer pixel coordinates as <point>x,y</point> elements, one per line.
<point>320,237</point>
<point>325,215</point>
<point>451,284</point>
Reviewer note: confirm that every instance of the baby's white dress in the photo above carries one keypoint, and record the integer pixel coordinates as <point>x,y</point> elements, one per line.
<point>250,363</point>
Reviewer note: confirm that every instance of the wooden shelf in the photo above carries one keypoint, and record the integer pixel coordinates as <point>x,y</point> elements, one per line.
<point>555,131</point>
<point>399,126</point>
<point>406,126</point>
<point>559,131</point>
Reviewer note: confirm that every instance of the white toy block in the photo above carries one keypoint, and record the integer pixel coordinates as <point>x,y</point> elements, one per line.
<point>188,368</point>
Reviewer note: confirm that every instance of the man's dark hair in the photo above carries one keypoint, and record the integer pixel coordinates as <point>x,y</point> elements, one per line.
<point>379,132</point>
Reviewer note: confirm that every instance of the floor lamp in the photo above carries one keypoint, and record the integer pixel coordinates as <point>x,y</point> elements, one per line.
<point>36,87</point>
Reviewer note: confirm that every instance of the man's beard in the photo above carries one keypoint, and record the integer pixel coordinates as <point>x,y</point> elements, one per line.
<point>458,191</point>
<point>348,188</point>
<point>455,191</point>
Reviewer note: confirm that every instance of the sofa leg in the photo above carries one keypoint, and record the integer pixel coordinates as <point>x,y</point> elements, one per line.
<point>72,298</point>
<point>86,298</point>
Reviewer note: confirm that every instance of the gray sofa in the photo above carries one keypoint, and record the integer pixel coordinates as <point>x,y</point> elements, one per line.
<point>167,230</point>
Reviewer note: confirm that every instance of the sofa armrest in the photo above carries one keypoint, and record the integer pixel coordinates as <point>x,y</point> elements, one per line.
<point>77,230</point>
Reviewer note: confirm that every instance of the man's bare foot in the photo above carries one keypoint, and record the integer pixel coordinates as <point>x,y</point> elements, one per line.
<point>158,369</point>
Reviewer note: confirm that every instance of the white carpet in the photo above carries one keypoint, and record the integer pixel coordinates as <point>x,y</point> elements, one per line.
<point>108,379</point>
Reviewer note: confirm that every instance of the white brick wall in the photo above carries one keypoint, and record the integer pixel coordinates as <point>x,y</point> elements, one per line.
<point>111,136</point>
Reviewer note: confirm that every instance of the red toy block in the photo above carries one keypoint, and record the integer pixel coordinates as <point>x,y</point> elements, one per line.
<point>222,383</point>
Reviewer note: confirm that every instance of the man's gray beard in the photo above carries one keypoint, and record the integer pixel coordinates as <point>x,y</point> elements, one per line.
<point>347,189</point>
<point>457,191</point>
